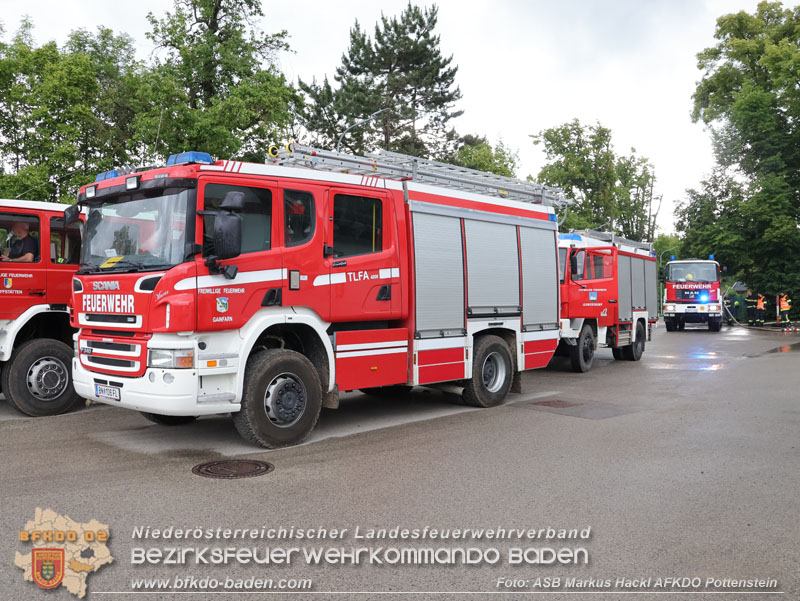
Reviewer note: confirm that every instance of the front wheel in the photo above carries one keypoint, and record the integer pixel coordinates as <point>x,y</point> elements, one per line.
<point>714,325</point>
<point>492,373</point>
<point>617,352</point>
<point>581,356</point>
<point>635,350</point>
<point>670,325</point>
<point>38,381</point>
<point>281,401</point>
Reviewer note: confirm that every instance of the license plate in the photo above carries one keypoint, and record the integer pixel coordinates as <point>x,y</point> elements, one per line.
<point>107,392</point>
<point>691,309</point>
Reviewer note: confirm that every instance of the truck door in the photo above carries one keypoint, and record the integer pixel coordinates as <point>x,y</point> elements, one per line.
<point>599,282</point>
<point>362,253</point>
<point>62,259</point>
<point>302,218</point>
<point>22,284</point>
<point>225,304</point>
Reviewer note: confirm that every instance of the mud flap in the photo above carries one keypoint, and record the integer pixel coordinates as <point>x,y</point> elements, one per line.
<point>516,383</point>
<point>330,400</point>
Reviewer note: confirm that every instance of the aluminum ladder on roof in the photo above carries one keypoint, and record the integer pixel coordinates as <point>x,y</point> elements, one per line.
<point>403,167</point>
<point>614,239</point>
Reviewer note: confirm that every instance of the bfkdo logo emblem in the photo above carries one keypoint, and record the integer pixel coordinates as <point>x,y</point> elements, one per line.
<point>7,282</point>
<point>222,304</point>
<point>48,567</point>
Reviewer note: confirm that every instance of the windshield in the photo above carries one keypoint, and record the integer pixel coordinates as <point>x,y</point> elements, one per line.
<point>692,272</point>
<point>136,233</point>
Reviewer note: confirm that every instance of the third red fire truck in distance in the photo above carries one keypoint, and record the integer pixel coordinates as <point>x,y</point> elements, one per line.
<point>263,290</point>
<point>609,296</point>
<point>692,294</point>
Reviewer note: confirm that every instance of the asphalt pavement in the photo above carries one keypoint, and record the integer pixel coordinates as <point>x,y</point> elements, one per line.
<point>682,465</point>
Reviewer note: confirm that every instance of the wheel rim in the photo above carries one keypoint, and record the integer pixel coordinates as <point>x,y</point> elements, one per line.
<point>47,378</point>
<point>588,349</point>
<point>493,372</point>
<point>285,400</point>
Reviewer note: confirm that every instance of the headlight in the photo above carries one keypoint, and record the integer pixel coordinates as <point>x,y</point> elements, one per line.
<point>669,308</point>
<point>171,358</point>
<point>713,307</point>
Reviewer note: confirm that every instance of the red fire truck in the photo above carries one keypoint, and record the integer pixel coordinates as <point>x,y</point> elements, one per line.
<point>263,290</point>
<point>692,294</point>
<point>35,333</point>
<point>609,296</point>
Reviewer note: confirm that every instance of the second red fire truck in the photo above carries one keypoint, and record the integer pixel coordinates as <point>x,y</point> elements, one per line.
<point>692,294</point>
<point>211,287</point>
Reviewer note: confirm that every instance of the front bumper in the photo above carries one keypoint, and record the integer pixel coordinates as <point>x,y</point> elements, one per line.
<point>181,396</point>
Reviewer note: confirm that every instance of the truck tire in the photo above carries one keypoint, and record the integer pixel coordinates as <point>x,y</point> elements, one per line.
<point>618,354</point>
<point>581,356</point>
<point>168,420</point>
<point>681,325</point>
<point>37,379</point>
<point>635,350</point>
<point>714,324</point>
<point>670,325</point>
<point>492,373</point>
<point>388,391</point>
<point>281,400</point>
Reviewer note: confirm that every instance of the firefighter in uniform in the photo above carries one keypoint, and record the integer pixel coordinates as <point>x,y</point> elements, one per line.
<point>750,303</point>
<point>761,309</point>
<point>785,305</point>
<point>726,302</point>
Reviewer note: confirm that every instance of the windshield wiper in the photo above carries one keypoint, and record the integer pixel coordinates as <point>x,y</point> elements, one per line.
<point>87,268</point>
<point>126,265</point>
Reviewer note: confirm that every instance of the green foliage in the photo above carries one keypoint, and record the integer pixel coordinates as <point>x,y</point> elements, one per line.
<point>610,191</point>
<point>209,88</point>
<point>750,99</point>
<point>402,70</point>
<point>475,152</point>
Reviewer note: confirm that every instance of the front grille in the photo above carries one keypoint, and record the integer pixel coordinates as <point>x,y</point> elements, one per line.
<point>112,346</point>
<point>109,362</point>
<point>106,318</point>
<point>113,333</point>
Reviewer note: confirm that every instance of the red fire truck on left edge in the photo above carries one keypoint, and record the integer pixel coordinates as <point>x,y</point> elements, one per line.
<point>262,290</point>
<point>40,255</point>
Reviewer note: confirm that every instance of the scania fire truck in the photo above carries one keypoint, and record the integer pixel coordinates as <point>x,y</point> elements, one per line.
<point>609,296</point>
<point>263,290</point>
<point>35,332</point>
<point>692,294</point>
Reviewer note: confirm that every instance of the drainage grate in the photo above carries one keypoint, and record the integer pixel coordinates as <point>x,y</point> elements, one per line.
<point>233,468</point>
<point>557,404</point>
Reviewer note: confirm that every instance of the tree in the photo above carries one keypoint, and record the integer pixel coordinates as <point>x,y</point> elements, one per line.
<point>750,99</point>
<point>609,191</point>
<point>62,111</point>
<point>401,70</point>
<point>475,152</point>
<point>209,89</point>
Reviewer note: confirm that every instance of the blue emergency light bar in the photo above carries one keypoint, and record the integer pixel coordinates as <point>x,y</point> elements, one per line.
<point>672,257</point>
<point>106,175</point>
<point>184,158</point>
<point>570,236</point>
<point>711,257</point>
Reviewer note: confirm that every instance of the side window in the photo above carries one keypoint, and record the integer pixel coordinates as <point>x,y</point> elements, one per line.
<point>299,218</point>
<point>65,242</point>
<point>19,237</point>
<point>256,217</point>
<point>357,225</point>
<point>581,256</point>
<point>562,263</point>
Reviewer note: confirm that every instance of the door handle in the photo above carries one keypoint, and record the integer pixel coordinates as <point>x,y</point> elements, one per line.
<point>385,293</point>
<point>36,292</point>
<point>273,297</point>
<point>613,301</point>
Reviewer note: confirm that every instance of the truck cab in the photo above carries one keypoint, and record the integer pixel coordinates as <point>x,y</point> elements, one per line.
<point>692,294</point>
<point>40,254</point>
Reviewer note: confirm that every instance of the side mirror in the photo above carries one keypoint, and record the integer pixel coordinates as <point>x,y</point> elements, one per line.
<point>573,266</point>
<point>227,235</point>
<point>725,269</point>
<point>233,201</point>
<point>71,214</point>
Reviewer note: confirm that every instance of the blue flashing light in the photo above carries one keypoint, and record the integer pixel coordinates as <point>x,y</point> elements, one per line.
<point>106,175</point>
<point>711,257</point>
<point>193,156</point>
<point>553,217</point>
<point>569,237</point>
<point>672,257</point>
<point>704,298</point>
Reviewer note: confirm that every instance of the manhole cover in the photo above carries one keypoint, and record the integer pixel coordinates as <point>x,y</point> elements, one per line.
<point>557,404</point>
<point>233,468</point>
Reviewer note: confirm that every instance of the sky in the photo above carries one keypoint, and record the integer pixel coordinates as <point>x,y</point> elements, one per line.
<point>523,66</point>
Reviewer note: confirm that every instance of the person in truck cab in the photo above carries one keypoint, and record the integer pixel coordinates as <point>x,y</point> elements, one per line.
<point>25,248</point>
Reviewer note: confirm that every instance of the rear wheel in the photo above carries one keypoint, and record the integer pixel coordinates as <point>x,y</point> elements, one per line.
<point>617,352</point>
<point>168,420</point>
<point>37,379</point>
<point>281,401</point>
<point>492,373</point>
<point>581,356</point>
<point>635,350</point>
